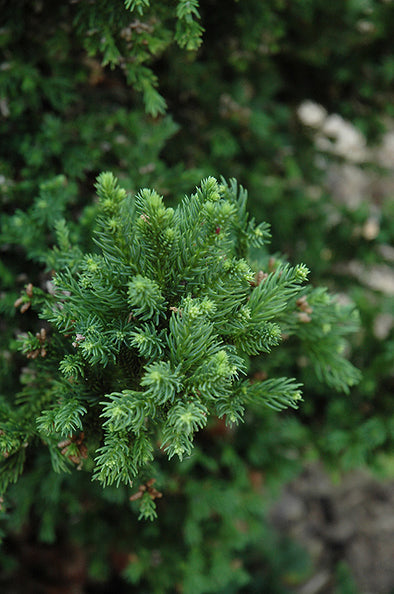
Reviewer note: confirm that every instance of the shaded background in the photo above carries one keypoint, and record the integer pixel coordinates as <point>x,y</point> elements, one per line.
<point>295,100</point>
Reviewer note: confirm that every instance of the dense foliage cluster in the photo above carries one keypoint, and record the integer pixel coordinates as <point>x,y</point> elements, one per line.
<point>160,324</point>
<point>294,100</point>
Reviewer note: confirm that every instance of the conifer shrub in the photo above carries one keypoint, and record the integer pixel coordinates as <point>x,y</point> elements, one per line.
<point>144,355</point>
<point>164,95</point>
<point>152,334</point>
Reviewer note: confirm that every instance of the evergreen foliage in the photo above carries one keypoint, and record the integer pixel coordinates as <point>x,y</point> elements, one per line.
<point>163,95</point>
<point>152,334</point>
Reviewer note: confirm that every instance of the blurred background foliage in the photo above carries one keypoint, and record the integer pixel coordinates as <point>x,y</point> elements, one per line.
<point>295,100</point>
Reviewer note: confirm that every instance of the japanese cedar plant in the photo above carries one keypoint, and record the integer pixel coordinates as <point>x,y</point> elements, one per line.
<point>150,337</point>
